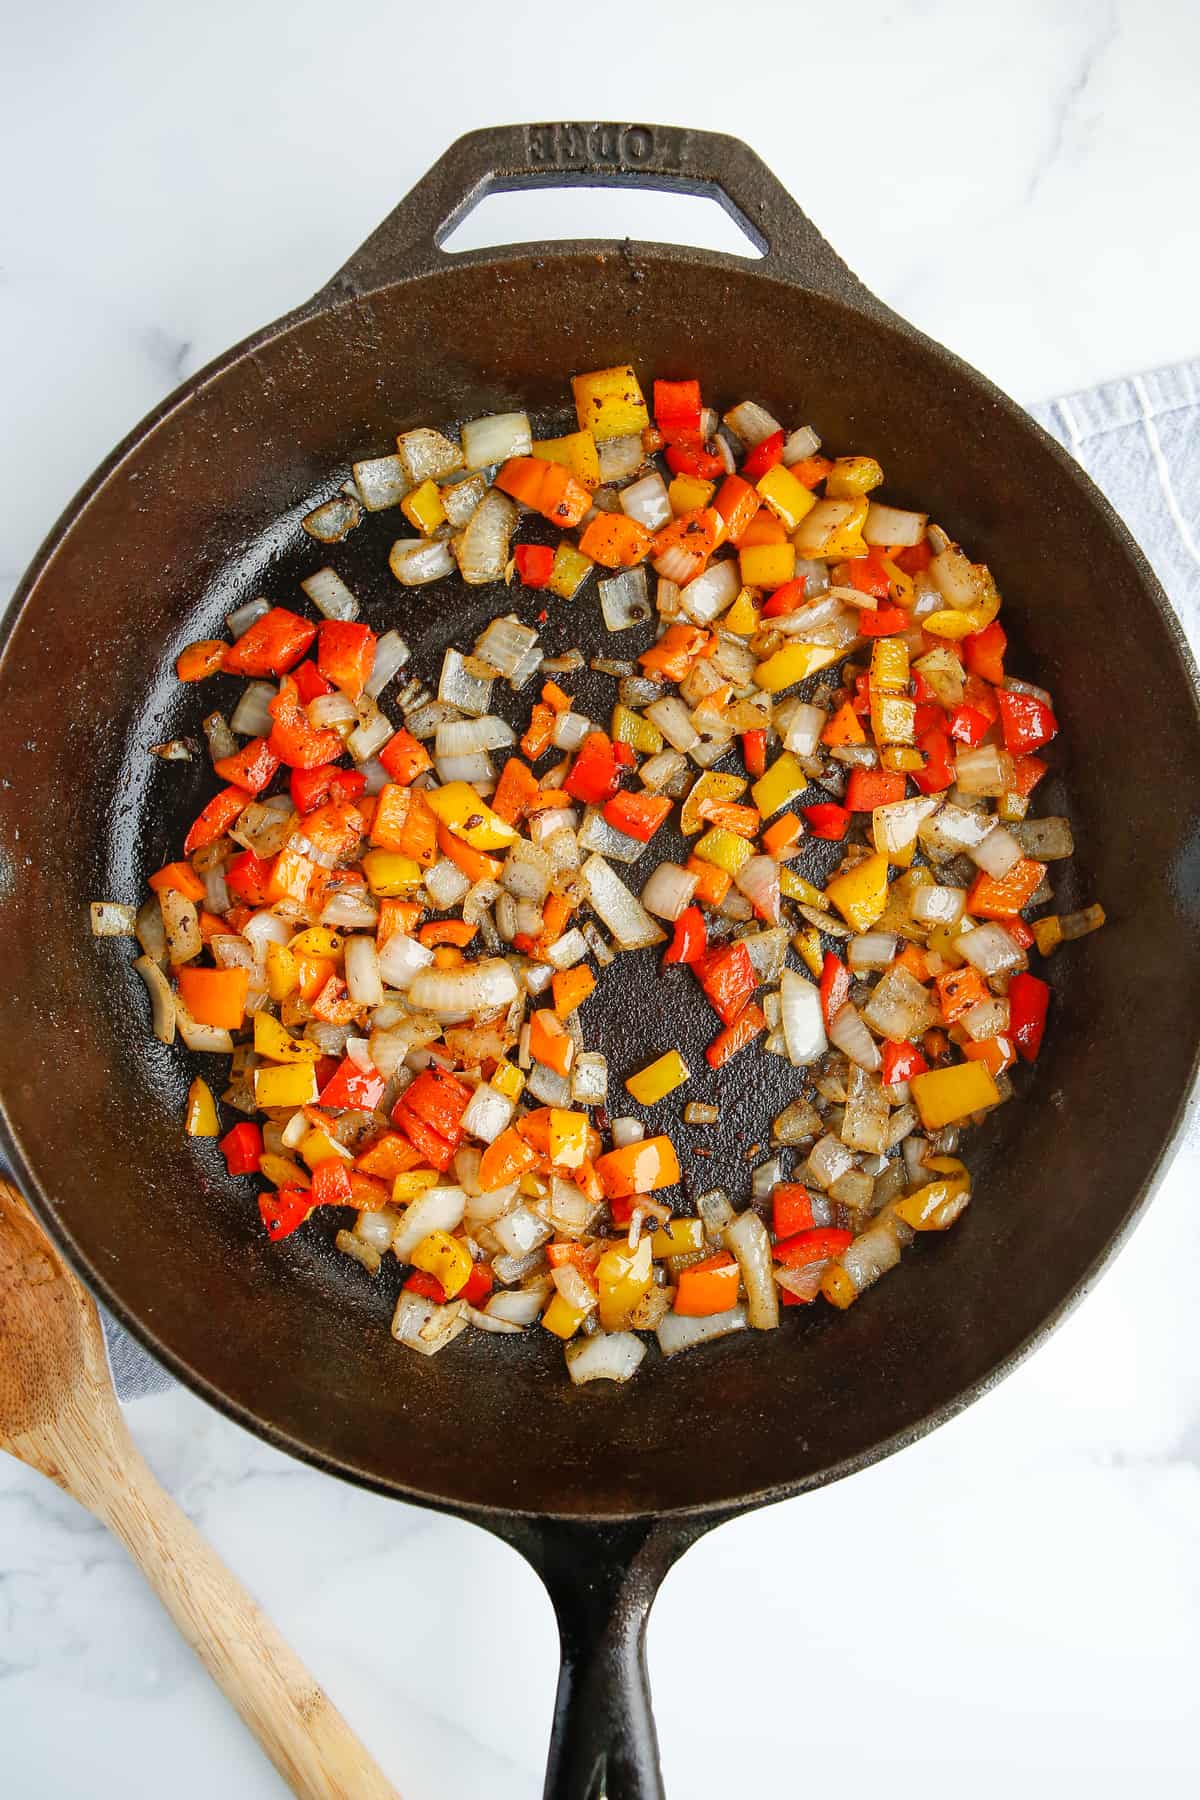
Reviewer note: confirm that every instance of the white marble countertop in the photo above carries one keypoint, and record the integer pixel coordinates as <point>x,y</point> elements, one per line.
<point>1020,184</point>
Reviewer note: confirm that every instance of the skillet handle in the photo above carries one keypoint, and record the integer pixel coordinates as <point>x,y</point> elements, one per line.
<point>602,1580</point>
<point>674,159</point>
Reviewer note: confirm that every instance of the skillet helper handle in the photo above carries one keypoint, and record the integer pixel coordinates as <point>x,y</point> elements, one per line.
<point>674,159</point>
<point>293,1719</point>
<point>602,1580</point>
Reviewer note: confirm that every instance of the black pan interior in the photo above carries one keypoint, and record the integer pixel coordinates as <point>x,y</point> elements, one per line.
<point>202,512</point>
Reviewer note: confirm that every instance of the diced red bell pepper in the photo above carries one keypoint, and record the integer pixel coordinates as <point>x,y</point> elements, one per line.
<point>1028,1000</point>
<point>869,576</point>
<point>534,564</point>
<point>432,1149</point>
<point>346,655</point>
<point>869,788</point>
<point>737,502</point>
<point>1019,932</point>
<point>478,1285</point>
<point>764,456</point>
<point>283,1212</point>
<point>350,1086</point>
<point>834,985</point>
<point>984,651</point>
<point>901,1062</point>
<point>311,788</point>
<point>915,559</point>
<point>331,1183</point>
<point>252,767</point>
<point>1027,772</point>
<point>272,645</point>
<point>427,1286</point>
<point>217,817</point>
<point>827,820</point>
<point>246,877</point>
<point>742,1031</point>
<point>638,815</point>
<point>791,1209</point>
<point>293,740</point>
<point>884,621</point>
<point>967,725</point>
<point>727,976</point>
<point>786,599</point>
<point>405,757</point>
<point>310,683</point>
<point>806,1248</point>
<point>690,940</point>
<point>677,406</point>
<point>754,752</point>
<point>624,755</point>
<point>594,776</point>
<point>1027,722</point>
<point>938,773</point>
<point>924,695</point>
<point>693,459</point>
<point>441,1100</point>
<point>241,1147</point>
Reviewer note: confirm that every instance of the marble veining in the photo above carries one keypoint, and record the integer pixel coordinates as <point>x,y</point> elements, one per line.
<point>1012,1602</point>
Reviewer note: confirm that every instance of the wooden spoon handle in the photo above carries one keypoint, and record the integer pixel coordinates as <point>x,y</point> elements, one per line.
<point>297,1725</point>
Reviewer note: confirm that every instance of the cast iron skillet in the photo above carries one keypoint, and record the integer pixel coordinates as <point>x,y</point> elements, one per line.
<point>200,508</point>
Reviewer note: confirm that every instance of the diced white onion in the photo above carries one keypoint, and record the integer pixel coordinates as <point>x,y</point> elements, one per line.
<point>369,737</point>
<point>162,999</point>
<point>421,1325</point>
<point>620,910</point>
<point>520,1307</point>
<point>891,525</point>
<point>330,595</point>
<point>363,979</point>
<point>873,950</point>
<point>381,481</point>
<point>998,853</point>
<point>333,521</point>
<point>800,443</point>
<point>672,718</point>
<point>391,654</point>
<point>986,1019</point>
<point>505,644</point>
<point>955,828</point>
<point>758,880</point>
<point>748,1240</point>
<point>251,716</point>
<point>495,438</point>
<point>668,891</point>
<point>401,959</point>
<point>677,1332</point>
<point>647,502</point>
<point>460,498</point>
<point>625,599</point>
<point>415,561</point>
<point>986,770</point>
<point>111,918</point>
<point>453,994</point>
<point>482,545</point>
<point>445,884</point>
<point>711,593</point>
<point>802,1019</point>
<point>527,872</point>
<point>751,422</point>
<point>607,1356</point>
<point>570,729</point>
<point>569,949</point>
<point>243,617</point>
<point>597,834</point>
<point>804,727</point>
<point>990,949</point>
<point>899,1007</point>
<point>488,1113</point>
<point>437,1209</point>
<point>459,686</point>
<point>589,1078</point>
<point>427,455</point>
<point>661,770</point>
<point>620,457</point>
<point>852,1038</point>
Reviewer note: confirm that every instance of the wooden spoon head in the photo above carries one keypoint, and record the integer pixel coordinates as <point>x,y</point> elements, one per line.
<point>51,1341</point>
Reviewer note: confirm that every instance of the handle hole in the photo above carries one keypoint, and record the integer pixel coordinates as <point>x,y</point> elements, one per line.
<point>531,216</point>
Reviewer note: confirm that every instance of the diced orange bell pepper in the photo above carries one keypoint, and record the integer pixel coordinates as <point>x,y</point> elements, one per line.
<point>346,655</point>
<point>844,727</point>
<point>550,1043</point>
<point>730,815</point>
<point>571,988</point>
<point>995,1053</point>
<point>516,791</point>
<point>391,817</point>
<point>697,534</point>
<point>914,960</point>
<point>396,915</point>
<point>312,975</point>
<point>958,991</point>
<point>505,1160</point>
<point>446,931</point>
<point>221,812</point>
<point>476,865</point>
<point>782,837</point>
<point>405,757</point>
<point>539,732</point>
<point>421,834</point>
<point>1003,898</point>
<point>334,829</point>
<point>292,874</point>
<point>707,1287</point>
<point>274,643</point>
<point>547,487</point>
<point>639,1168</point>
<point>181,877</point>
<point>214,996</point>
<point>675,652</point>
<point>614,540</point>
<point>712,883</point>
<point>251,767</point>
<point>389,1156</point>
<point>737,502</point>
<point>764,528</point>
<point>811,469</point>
<point>743,1030</point>
<point>201,660</point>
<point>555,697</point>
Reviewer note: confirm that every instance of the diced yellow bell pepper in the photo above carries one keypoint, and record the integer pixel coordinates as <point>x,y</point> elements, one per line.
<point>508,1080</point>
<point>937,1204</point>
<point>285,1084</point>
<point>708,787</point>
<point>200,1119</point>
<point>318,1147</point>
<point>623,1276</point>
<point>838,1287</point>
<point>278,1045</point>
<point>569,572</point>
<point>1012,808</point>
<point>412,1184</point>
<point>562,1318</point>
<point>609,403</point>
<point>687,493</point>
<point>678,1237</point>
<point>577,452</point>
<point>533,1186</point>
<point>901,587</point>
<point>743,618</point>
<point>629,727</point>
<point>807,945</point>
<point>889,664</point>
<point>447,1259</point>
<point>893,718</point>
<point>903,759</point>
<point>897,914</point>
<point>851,476</point>
<point>794,887</point>
<point>952,623</point>
<point>281,971</point>
<point>568,1137</point>
<point>724,848</point>
<point>945,1095</point>
<point>767,565</point>
<point>942,941</point>
<point>860,895</point>
<point>317,940</point>
<point>461,810</point>
<point>657,1079</point>
<point>833,529</point>
<point>792,664</point>
<point>281,1171</point>
<point>1047,933</point>
<point>389,875</point>
<point>779,786</point>
<point>787,497</point>
<point>423,508</point>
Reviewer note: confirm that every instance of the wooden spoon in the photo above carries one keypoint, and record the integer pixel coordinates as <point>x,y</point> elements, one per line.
<point>59,1414</point>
